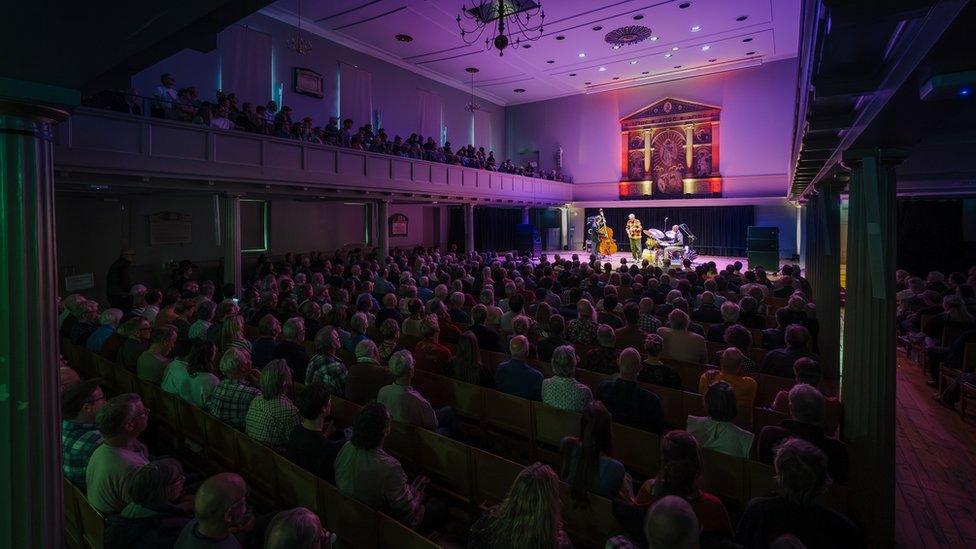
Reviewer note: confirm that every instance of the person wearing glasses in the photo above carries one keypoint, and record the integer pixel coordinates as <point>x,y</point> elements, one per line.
<point>222,514</point>
<point>120,420</point>
<point>80,402</point>
<point>157,512</point>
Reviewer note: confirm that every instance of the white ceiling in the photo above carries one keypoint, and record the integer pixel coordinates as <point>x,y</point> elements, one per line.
<point>437,50</point>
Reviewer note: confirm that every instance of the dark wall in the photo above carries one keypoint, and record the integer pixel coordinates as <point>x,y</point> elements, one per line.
<point>936,235</point>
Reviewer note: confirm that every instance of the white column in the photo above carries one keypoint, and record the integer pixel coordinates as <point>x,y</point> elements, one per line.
<point>382,230</point>
<point>232,241</point>
<point>468,228</point>
<point>563,227</point>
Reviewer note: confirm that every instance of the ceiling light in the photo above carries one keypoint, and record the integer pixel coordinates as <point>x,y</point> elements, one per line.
<point>634,62</point>
<point>696,28</point>
<point>526,46</point>
<point>581,54</point>
<point>674,48</point>
<point>653,39</point>
<point>587,83</point>
<point>747,39</point>
<point>646,72</point>
<point>404,38</point>
<point>601,69</point>
<point>750,53</point>
<point>684,5</point>
<point>706,47</point>
<point>560,37</point>
<point>616,46</point>
<point>668,55</point>
<point>519,90</point>
<point>965,92</point>
<point>638,17</point>
<point>712,60</point>
<point>598,28</point>
<point>572,74</point>
<point>472,70</point>
<point>677,66</point>
<point>550,61</point>
<point>742,18</point>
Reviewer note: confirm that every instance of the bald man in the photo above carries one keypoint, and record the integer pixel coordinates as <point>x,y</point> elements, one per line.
<point>629,403</point>
<point>221,513</point>
<point>671,524</point>
<point>516,377</point>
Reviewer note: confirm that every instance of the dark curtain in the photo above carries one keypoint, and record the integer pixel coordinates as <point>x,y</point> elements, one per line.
<point>931,236</point>
<point>718,230</point>
<point>495,228</point>
<point>455,227</point>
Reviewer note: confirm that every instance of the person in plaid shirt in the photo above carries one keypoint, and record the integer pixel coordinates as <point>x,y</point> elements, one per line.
<point>325,366</point>
<point>232,397</point>
<point>79,435</point>
<point>272,416</point>
<point>647,322</point>
<point>634,235</point>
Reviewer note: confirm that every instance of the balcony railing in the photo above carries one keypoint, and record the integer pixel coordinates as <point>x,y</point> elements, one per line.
<point>102,141</point>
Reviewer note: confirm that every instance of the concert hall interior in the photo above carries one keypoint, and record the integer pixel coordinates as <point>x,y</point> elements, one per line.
<point>488,273</point>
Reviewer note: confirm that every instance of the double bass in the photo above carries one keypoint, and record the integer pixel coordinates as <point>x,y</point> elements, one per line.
<point>607,245</point>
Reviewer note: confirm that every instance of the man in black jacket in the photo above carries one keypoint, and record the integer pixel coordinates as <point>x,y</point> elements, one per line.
<point>118,281</point>
<point>488,339</point>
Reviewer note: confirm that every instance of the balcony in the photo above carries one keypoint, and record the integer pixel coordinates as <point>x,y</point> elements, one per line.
<point>97,141</point>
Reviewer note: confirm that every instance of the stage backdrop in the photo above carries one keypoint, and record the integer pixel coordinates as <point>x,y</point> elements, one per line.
<point>718,230</point>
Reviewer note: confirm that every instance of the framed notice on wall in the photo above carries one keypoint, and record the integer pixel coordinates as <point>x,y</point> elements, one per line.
<point>399,225</point>
<point>309,82</point>
<point>170,228</point>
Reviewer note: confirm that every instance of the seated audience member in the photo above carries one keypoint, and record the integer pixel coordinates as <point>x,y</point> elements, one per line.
<point>628,403</point>
<point>221,515</point>
<point>455,309</point>
<point>630,335</point>
<point>151,309</point>
<point>156,513</point>
<point>232,334</point>
<point>309,443</point>
<point>561,390</point>
<point>730,317</point>
<point>668,305</point>
<point>389,335</point>
<point>406,405</point>
<point>806,422</point>
<point>297,528</point>
<point>739,337</point>
<point>226,308</point>
<point>670,523</point>
<point>80,403</point>
<point>272,415</point>
<point>522,326</point>
<point>192,377</point>
<point>358,325</point>
<point>325,366</point>
<point>586,462</point>
<point>780,362</point>
<point>109,320</point>
<point>584,327</point>
<point>516,304</point>
<point>152,363</point>
<point>608,315</point>
<point>467,365</point>
<point>717,432</point>
<point>431,356</point>
<point>801,472</point>
<point>707,311</point>
<point>291,348</point>
<point>202,316</point>
<point>366,472</point>
<point>679,343</point>
<point>120,421</point>
<point>412,325</point>
<point>731,365</point>
<point>366,376</point>
<point>648,322</point>
<point>654,371</point>
<point>749,315</point>
<point>603,359</point>
<point>547,345</point>
<point>529,516</point>
<point>389,310</point>
<point>679,475</point>
<point>515,376</point>
<point>263,349</point>
<point>113,345</point>
<point>775,338</point>
<point>488,339</point>
<point>231,398</point>
<point>807,371</point>
<point>135,344</point>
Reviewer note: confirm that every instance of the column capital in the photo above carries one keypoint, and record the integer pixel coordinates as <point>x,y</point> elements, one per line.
<point>853,157</point>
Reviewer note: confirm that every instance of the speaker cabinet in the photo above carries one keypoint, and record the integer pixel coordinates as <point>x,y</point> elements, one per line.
<point>527,240</point>
<point>769,261</point>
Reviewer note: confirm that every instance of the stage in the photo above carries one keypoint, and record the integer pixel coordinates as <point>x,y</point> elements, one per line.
<point>720,261</point>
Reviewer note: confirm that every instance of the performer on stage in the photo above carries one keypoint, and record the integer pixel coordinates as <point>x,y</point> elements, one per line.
<point>595,228</point>
<point>634,235</point>
<point>679,239</point>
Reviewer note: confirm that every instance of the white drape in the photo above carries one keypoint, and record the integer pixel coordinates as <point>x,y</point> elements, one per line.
<point>245,64</point>
<point>429,113</point>
<point>355,94</point>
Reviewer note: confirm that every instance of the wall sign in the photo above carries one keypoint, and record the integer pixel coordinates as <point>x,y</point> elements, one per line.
<point>170,228</point>
<point>399,225</point>
<point>309,82</point>
<point>84,281</point>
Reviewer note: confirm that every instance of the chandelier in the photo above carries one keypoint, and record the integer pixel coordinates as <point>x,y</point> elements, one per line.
<point>298,43</point>
<point>513,21</point>
<point>472,105</point>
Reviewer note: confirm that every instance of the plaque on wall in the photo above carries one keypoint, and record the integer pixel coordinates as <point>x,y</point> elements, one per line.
<point>399,225</point>
<point>309,82</point>
<point>170,228</point>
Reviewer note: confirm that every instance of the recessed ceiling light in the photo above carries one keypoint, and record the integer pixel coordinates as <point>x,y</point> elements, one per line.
<point>684,5</point>
<point>587,83</point>
<point>581,54</point>
<point>696,28</point>
<point>742,18</point>
<point>750,53</point>
<point>674,48</point>
<point>550,61</point>
<point>560,37</point>
<point>646,72</point>
<point>677,66</point>
<point>615,46</point>
<point>634,62</point>
<point>404,38</point>
<point>747,39</point>
<point>616,78</point>
<point>601,69</point>
<point>712,60</point>
<point>572,74</point>
<point>706,47</point>
<point>519,90</point>
<point>598,28</point>
<point>668,55</point>
<point>472,70</point>
<point>653,39</point>
<point>638,17</point>
<point>526,46</point>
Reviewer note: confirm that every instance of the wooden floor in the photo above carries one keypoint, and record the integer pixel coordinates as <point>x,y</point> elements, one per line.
<point>935,468</point>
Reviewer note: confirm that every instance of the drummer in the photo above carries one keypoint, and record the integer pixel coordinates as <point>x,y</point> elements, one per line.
<point>634,235</point>
<point>678,238</point>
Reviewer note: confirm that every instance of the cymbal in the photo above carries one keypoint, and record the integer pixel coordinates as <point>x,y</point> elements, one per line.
<point>654,233</point>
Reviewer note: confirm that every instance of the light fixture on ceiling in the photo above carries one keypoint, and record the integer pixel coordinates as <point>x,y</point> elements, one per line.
<point>572,74</point>
<point>638,17</point>
<point>560,37</point>
<point>404,38</point>
<point>519,90</point>
<point>514,21</point>
<point>472,105</point>
<point>667,55</point>
<point>616,78</point>
<point>298,43</point>
<point>706,47</point>
<point>615,47</point>
<point>550,62</point>
<point>653,39</point>
<point>634,62</point>
<point>965,92</point>
<point>712,60</point>
<point>625,36</point>
<point>646,72</point>
<point>684,5</point>
<point>750,53</point>
<point>674,48</point>
<point>587,83</point>
<point>696,28</point>
<point>677,66</point>
<point>598,28</point>
<point>747,39</point>
<point>581,54</point>
<point>742,18</point>
<point>602,69</point>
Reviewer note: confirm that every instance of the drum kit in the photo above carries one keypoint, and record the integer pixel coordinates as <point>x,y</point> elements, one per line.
<point>663,248</point>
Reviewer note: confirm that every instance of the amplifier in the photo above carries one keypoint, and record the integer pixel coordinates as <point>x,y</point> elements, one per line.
<point>767,260</point>
<point>762,245</point>
<point>763,233</point>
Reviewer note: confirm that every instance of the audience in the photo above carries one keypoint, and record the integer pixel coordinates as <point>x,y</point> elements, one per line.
<point>291,348</point>
<point>547,345</point>
<point>297,528</point>
<point>152,363</point>
<point>109,319</point>
<point>716,431</point>
<point>80,403</point>
<point>272,415</point>
<point>807,371</point>
<point>431,355</point>
<point>193,377</point>
<point>157,511</point>
<point>561,390</point>
<point>120,421</point>
<point>628,403</point>
<point>467,366</point>
<point>732,364</point>
<point>366,377</point>
<point>679,343</point>
<point>231,398</point>
<point>405,404</point>
<point>780,362</point>
<point>586,462</point>
<point>654,371</point>
<point>221,515</point>
<point>603,358</point>
<point>515,376</point>
<point>263,348</point>
<point>310,443</point>
<point>325,366</point>
<point>136,343</point>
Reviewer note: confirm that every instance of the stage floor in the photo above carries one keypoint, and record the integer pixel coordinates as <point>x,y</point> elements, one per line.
<point>720,261</point>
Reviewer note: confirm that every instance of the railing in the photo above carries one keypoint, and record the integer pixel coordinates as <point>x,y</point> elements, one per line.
<point>102,141</point>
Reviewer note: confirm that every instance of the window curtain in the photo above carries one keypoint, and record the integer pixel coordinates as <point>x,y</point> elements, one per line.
<point>245,64</point>
<point>495,228</point>
<point>429,112</point>
<point>355,94</point>
<point>482,131</point>
<point>718,230</point>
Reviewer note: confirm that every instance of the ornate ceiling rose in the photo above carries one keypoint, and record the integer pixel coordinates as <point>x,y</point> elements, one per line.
<point>631,34</point>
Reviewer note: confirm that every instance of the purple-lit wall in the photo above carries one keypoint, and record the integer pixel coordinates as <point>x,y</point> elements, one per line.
<point>394,88</point>
<point>755,131</point>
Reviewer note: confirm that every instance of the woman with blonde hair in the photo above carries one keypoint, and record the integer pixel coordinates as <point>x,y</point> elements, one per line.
<point>543,312</point>
<point>232,334</point>
<point>530,516</point>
